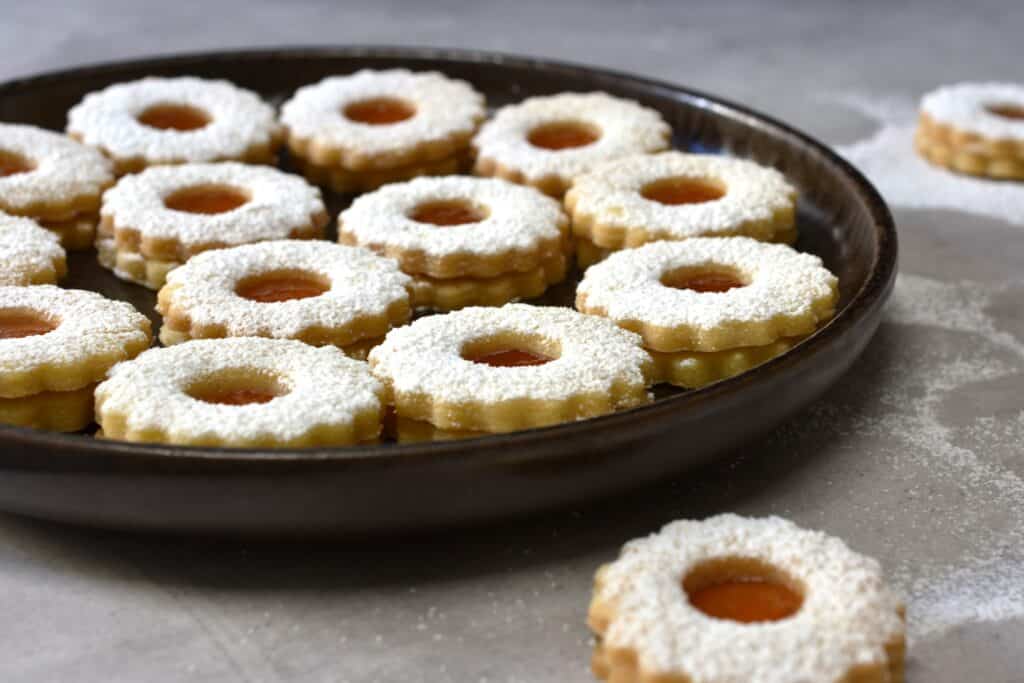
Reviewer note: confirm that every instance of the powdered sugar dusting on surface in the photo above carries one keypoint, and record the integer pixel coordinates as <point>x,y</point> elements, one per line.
<point>28,252</point>
<point>905,179</point>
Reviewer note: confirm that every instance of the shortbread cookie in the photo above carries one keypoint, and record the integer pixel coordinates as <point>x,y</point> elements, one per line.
<point>242,392</point>
<point>75,234</point>
<point>131,266</point>
<point>30,254</point>
<point>455,293</point>
<point>370,120</point>
<point>695,369</point>
<point>515,367</point>
<point>740,599</point>
<point>404,430</point>
<point>345,182</point>
<point>170,213</point>
<point>674,195</point>
<point>458,227</point>
<point>548,141</point>
<point>710,293</point>
<point>180,120</point>
<point>313,291</point>
<point>55,411</point>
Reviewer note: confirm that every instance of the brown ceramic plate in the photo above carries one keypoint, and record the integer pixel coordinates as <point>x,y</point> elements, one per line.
<point>392,487</point>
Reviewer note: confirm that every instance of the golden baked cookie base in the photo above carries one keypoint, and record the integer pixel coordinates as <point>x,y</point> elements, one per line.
<point>966,159</point>
<point>952,137</point>
<point>453,294</point>
<point>55,411</point>
<point>694,369</point>
<point>621,665</point>
<point>727,336</point>
<point>346,181</point>
<point>76,234</point>
<point>133,267</point>
<point>404,430</point>
<point>552,185</point>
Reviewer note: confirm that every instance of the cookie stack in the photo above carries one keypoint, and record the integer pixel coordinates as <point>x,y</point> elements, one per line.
<point>355,133</point>
<point>465,241</point>
<point>974,128</point>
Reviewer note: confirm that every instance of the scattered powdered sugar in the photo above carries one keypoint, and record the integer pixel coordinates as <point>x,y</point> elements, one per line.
<point>610,195</point>
<point>965,107</point>
<point>29,254</point>
<point>362,286</point>
<point>240,121</point>
<point>905,179</point>
<point>626,128</point>
<point>847,618</point>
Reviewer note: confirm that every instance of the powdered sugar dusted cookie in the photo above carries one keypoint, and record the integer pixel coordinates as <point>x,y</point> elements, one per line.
<point>55,340</point>
<point>548,141</point>
<point>519,366</point>
<point>458,226</point>
<point>345,181</point>
<point>374,120</point>
<point>975,128</point>
<point>131,266</point>
<point>675,196</point>
<point>170,213</point>
<point>695,369</point>
<point>242,392</point>
<point>710,294</point>
<point>739,599</point>
<point>174,121</point>
<point>313,291</point>
<point>30,254</point>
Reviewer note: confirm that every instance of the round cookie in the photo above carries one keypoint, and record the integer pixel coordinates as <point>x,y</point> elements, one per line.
<point>30,255</point>
<point>710,294</point>
<point>739,599</point>
<point>155,121</point>
<point>548,141</point>
<point>243,392</point>
<point>674,196</point>
<point>313,291</point>
<point>515,367</point>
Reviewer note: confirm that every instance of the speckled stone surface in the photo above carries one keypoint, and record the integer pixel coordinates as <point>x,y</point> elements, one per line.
<point>915,457</point>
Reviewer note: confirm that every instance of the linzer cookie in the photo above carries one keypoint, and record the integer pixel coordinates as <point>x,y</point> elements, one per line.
<point>548,141</point>
<point>675,196</point>
<point>54,180</point>
<point>154,221</point>
<point>465,241</point>
<point>363,130</point>
<point>313,291</point>
<point>740,599</point>
<point>708,308</point>
<point>974,128</point>
<point>55,345</point>
<point>30,255</point>
<point>515,367</point>
<point>155,121</point>
<point>242,392</point>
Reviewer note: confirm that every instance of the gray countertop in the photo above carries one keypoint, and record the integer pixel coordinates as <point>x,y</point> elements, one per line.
<point>915,457</point>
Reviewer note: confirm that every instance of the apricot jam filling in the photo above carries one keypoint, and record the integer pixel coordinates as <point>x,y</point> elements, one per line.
<point>235,388</point>
<point>12,164</point>
<point>676,191</point>
<point>179,117</point>
<point>281,286</point>
<point>207,199</point>
<point>743,590</point>
<point>563,135</point>
<point>703,280</point>
<point>508,358</point>
<point>446,212</point>
<point>379,111</point>
<point>1008,111</point>
<point>18,324</point>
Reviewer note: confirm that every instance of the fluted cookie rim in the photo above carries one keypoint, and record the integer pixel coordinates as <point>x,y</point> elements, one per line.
<point>29,253</point>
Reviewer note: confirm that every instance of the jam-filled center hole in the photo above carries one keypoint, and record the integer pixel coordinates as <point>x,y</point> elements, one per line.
<point>511,352</point>
<point>207,199</point>
<point>1007,111</point>
<point>743,590</point>
<point>446,212</point>
<point>237,388</point>
<point>683,190</point>
<point>12,163</point>
<point>703,280</point>
<point>282,285</point>
<point>179,117</point>
<point>379,111</point>
<point>19,323</point>
<point>564,135</point>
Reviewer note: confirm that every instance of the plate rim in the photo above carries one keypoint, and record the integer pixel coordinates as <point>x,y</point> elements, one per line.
<point>872,293</point>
